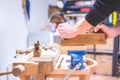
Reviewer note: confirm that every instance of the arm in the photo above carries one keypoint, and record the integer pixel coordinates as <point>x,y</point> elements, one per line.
<point>111,32</point>
<point>100,11</point>
<point>117,28</point>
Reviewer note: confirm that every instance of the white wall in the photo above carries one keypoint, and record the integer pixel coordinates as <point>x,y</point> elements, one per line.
<point>39,15</point>
<point>13,32</point>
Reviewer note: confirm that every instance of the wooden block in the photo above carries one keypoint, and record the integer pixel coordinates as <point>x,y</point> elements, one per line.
<point>83,39</point>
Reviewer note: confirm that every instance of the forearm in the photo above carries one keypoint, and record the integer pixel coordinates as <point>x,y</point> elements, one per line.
<point>117,28</point>
<point>101,10</point>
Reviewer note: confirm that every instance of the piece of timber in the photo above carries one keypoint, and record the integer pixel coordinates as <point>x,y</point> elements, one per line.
<point>84,39</point>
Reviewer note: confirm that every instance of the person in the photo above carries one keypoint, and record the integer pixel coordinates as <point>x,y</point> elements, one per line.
<point>100,11</point>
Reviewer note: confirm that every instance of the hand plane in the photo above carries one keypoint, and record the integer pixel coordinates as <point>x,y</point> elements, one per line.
<point>90,37</point>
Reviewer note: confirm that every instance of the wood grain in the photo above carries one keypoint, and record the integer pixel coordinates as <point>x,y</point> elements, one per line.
<point>84,39</point>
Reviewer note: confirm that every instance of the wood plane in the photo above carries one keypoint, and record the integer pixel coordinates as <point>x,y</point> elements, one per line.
<point>84,39</point>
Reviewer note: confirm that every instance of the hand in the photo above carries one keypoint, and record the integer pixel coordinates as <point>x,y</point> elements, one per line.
<point>109,31</point>
<point>67,31</point>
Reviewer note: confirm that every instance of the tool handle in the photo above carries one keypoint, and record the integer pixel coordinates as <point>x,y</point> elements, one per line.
<point>5,73</point>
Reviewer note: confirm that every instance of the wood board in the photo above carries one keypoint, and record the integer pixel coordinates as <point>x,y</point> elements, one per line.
<point>84,39</point>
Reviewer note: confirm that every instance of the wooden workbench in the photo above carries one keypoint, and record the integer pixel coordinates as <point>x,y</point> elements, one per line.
<point>49,65</point>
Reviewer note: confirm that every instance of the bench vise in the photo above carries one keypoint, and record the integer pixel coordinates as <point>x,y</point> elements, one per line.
<point>77,57</point>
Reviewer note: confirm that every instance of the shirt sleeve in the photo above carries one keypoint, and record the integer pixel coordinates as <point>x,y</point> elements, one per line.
<point>101,10</point>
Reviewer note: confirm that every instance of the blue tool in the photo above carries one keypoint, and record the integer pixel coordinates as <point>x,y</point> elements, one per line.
<point>77,57</point>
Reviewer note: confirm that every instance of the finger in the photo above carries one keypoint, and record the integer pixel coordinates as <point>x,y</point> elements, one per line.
<point>96,29</point>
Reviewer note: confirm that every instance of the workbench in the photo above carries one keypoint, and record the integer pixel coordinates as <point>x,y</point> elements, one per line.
<point>42,62</point>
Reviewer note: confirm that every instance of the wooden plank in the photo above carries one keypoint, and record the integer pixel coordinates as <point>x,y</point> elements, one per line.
<point>84,39</point>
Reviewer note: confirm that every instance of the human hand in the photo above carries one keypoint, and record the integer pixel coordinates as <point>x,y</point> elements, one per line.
<point>109,31</point>
<point>67,31</point>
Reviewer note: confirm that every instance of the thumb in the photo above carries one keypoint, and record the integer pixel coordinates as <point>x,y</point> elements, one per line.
<point>96,29</point>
